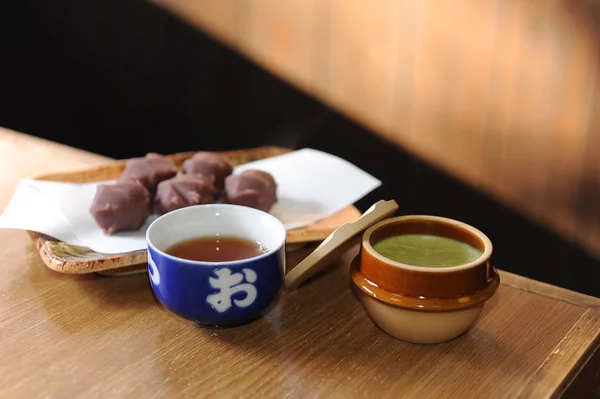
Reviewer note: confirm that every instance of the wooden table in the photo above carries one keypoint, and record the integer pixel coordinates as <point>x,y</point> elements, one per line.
<point>91,336</point>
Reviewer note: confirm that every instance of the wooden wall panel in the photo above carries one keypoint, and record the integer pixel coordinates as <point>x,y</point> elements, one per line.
<point>222,18</point>
<point>405,106</point>
<point>363,55</point>
<point>501,94</point>
<point>282,34</point>
<point>442,96</point>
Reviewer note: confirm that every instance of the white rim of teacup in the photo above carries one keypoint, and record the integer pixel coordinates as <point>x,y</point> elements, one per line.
<point>487,243</point>
<point>212,264</point>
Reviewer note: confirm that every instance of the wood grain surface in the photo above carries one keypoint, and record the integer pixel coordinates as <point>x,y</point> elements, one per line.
<point>90,336</point>
<point>501,94</point>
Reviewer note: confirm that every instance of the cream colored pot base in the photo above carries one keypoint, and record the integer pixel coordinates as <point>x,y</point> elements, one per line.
<point>420,327</point>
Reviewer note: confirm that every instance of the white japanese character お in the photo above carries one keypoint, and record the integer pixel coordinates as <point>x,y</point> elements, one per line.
<point>230,284</point>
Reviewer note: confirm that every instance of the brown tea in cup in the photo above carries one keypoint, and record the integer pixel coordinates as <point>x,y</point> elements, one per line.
<point>216,248</point>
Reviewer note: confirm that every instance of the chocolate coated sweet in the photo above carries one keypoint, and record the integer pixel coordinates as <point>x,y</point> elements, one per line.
<point>210,164</point>
<point>149,170</point>
<point>124,205</point>
<point>183,190</point>
<point>252,188</point>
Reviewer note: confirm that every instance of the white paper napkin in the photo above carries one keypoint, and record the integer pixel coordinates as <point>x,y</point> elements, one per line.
<point>312,185</point>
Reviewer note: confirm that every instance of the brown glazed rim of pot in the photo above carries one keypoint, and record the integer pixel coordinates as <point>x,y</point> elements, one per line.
<point>479,235</point>
<point>422,303</point>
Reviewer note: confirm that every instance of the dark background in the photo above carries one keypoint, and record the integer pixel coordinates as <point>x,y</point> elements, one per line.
<point>123,78</point>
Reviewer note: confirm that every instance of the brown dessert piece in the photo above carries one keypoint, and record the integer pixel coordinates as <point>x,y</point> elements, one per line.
<point>210,164</point>
<point>183,190</point>
<point>252,188</point>
<point>124,205</point>
<point>149,170</point>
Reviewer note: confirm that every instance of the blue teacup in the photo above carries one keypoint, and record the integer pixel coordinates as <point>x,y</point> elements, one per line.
<point>216,294</point>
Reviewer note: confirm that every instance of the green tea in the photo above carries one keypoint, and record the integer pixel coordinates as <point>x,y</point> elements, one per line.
<point>426,250</point>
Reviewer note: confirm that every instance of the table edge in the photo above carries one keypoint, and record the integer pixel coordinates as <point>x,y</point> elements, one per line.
<point>545,383</point>
<point>548,290</point>
<point>41,141</point>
